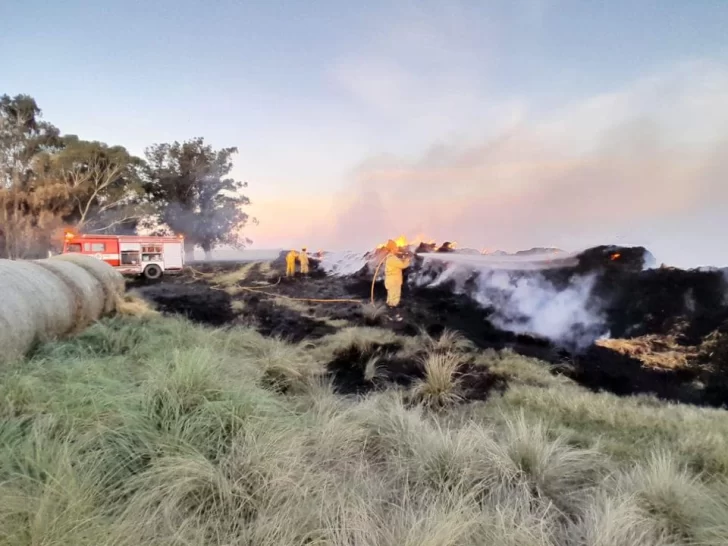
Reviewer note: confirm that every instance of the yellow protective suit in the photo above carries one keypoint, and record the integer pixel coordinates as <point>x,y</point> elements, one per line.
<point>291,263</point>
<point>393,267</point>
<point>303,258</point>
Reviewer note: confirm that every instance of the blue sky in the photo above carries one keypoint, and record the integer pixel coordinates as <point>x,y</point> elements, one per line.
<point>363,120</point>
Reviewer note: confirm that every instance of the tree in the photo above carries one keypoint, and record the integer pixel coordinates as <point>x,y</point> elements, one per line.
<point>104,183</point>
<point>29,209</point>
<point>189,186</point>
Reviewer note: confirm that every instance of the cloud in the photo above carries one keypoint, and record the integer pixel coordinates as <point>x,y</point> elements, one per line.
<point>422,74</point>
<point>604,167</point>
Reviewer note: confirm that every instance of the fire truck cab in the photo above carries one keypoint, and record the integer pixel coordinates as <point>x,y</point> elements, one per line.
<point>131,254</point>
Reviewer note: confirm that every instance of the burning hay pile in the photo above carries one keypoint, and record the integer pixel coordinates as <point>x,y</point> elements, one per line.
<point>47,299</point>
<point>621,324</point>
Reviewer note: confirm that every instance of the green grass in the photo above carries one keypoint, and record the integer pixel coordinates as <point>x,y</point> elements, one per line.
<point>155,431</point>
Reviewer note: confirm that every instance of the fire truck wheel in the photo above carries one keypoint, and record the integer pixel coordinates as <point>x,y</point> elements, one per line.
<point>152,272</point>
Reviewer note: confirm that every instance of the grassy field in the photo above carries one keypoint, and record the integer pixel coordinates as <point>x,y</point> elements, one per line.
<point>157,431</point>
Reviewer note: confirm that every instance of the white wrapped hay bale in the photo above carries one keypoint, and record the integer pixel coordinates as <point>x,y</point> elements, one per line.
<point>87,292</point>
<point>35,306</point>
<point>47,299</point>
<point>111,280</point>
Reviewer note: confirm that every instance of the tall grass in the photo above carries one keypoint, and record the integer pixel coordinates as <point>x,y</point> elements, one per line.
<point>440,385</point>
<point>373,312</point>
<point>447,341</point>
<point>155,431</point>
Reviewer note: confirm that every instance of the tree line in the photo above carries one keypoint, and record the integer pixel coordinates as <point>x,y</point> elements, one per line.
<point>51,182</point>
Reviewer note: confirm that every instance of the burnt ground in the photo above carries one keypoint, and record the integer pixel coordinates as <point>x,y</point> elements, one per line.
<point>195,301</point>
<point>349,372</point>
<point>637,302</point>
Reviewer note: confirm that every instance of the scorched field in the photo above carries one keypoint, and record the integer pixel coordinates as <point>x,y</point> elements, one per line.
<point>232,406</point>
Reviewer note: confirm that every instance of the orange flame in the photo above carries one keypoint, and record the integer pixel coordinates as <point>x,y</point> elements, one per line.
<point>615,256</point>
<point>400,241</point>
<point>403,242</point>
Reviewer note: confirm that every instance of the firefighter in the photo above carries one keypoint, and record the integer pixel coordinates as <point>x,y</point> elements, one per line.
<point>303,258</point>
<point>393,267</point>
<point>291,263</point>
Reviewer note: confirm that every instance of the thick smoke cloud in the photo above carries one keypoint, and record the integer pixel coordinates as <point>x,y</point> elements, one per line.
<point>532,305</point>
<point>642,165</point>
<point>526,302</point>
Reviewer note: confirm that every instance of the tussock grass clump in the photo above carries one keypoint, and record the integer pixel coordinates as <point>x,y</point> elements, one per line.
<point>447,341</point>
<point>519,369</point>
<point>362,338</point>
<point>614,521</point>
<point>153,430</point>
<point>627,428</point>
<point>440,385</point>
<point>286,366</point>
<point>372,369</point>
<point>373,312</point>
<point>527,458</point>
<point>682,507</point>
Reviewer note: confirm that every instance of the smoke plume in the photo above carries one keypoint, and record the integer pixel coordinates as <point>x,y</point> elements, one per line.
<point>642,165</point>
<point>526,302</point>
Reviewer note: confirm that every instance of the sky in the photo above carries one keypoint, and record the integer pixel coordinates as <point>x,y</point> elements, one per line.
<point>499,124</point>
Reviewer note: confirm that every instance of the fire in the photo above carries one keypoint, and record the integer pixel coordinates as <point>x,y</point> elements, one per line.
<point>400,241</point>
<point>615,256</point>
<point>64,233</point>
<point>403,242</point>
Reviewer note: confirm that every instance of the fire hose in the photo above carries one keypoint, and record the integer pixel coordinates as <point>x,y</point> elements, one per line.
<point>374,278</point>
<point>261,290</point>
<point>316,300</point>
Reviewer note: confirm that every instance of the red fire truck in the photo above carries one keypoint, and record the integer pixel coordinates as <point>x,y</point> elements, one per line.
<point>131,254</point>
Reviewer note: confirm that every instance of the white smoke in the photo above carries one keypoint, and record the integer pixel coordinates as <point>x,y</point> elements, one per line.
<point>526,302</point>
<point>533,305</point>
<point>523,300</point>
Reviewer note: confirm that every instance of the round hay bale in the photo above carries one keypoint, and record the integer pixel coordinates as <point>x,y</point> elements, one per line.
<point>86,290</point>
<point>47,299</point>
<point>111,280</point>
<point>36,305</point>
